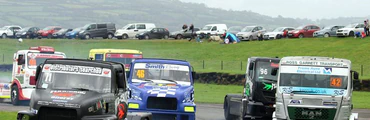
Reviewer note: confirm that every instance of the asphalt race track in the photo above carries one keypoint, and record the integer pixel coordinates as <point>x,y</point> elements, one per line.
<point>204,111</point>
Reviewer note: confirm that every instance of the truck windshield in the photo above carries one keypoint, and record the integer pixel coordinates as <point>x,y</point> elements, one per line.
<point>68,77</point>
<point>35,59</point>
<point>263,70</point>
<point>122,58</point>
<point>167,72</point>
<point>313,80</point>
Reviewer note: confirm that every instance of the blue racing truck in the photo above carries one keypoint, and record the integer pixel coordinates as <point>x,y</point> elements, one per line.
<point>163,87</point>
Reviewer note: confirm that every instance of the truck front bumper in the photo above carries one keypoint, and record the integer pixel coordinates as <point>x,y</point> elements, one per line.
<point>258,110</point>
<point>164,115</point>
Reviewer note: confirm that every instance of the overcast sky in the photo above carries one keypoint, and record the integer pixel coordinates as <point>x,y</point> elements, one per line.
<point>311,9</point>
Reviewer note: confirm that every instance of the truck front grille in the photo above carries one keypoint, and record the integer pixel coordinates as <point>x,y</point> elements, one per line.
<point>309,113</point>
<point>46,113</point>
<point>162,103</point>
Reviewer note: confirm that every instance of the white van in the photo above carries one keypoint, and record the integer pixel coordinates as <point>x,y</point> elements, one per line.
<point>130,30</point>
<point>213,29</point>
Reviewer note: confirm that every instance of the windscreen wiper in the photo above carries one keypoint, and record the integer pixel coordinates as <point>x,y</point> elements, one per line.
<point>82,89</point>
<point>170,80</point>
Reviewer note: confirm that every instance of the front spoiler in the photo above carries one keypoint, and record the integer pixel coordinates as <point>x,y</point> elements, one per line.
<point>130,116</point>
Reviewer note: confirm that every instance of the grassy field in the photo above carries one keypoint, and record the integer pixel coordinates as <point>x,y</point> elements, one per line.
<point>233,57</point>
<point>8,115</point>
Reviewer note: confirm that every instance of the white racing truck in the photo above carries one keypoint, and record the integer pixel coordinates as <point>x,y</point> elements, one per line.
<point>317,88</point>
<point>24,69</point>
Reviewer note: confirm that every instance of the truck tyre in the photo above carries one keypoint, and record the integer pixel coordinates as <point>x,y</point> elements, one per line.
<point>326,35</point>
<point>146,37</point>
<point>15,95</point>
<point>87,36</point>
<point>227,108</point>
<point>110,36</point>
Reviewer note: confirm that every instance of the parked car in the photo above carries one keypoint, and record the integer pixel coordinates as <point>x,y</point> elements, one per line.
<point>130,30</point>
<point>250,32</point>
<point>303,31</point>
<point>181,34</point>
<point>350,30</point>
<point>61,33</point>
<point>48,32</point>
<point>235,29</point>
<point>328,31</point>
<point>213,29</point>
<point>93,30</point>
<point>276,33</point>
<point>155,33</point>
<point>74,33</point>
<point>9,31</point>
<point>28,33</point>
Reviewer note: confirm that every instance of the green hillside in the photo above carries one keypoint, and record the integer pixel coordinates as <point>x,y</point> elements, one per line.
<point>171,14</point>
<point>233,56</point>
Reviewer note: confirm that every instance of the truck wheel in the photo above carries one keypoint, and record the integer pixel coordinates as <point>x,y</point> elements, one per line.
<point>87,37</point>
<point>110,36</point>
<point>15,95</point>
<point>28,37</point>
<point>227,108</point>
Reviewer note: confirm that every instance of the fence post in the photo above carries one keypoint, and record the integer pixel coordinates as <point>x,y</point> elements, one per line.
<point>203,64</point>
<point>222,65</point>
<point>362,70</point>
<point>241,65</point>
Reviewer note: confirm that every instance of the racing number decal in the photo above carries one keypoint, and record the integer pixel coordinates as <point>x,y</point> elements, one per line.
<point>140,73</point>
<point>263,71</point>
<point>336,82</point>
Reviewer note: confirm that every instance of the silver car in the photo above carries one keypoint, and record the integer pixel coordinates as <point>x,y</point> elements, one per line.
<point>251,32</point>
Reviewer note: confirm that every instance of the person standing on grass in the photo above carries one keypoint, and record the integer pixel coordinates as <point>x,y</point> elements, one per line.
<point>366,28</point>
<point>192,32</point>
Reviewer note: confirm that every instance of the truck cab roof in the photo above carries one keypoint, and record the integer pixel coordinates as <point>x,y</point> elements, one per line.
<point>69,61</point>
<point>316,58</point>
<point>163,61</point>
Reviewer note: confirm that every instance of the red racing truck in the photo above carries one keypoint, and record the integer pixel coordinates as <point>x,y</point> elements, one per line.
<point>25,63</point>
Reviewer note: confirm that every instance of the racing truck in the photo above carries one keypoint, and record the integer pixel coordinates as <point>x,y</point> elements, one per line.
<point>23,73</point>
<point>163,87</point>
<point>258,97</point>
<point>317,88</point>
<point>75,89</point>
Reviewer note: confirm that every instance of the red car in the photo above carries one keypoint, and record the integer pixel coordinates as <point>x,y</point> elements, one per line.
<point>303,31</point>
<point>48,32</point>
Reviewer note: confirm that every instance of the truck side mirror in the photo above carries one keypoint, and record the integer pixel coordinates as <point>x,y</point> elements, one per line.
<point>120,79</point>
<point>38,70</point>
<point>129,92</point>
<point>193,74</point>
<point>355,75</point>
<point>251,66</point>
<point>274,71</point>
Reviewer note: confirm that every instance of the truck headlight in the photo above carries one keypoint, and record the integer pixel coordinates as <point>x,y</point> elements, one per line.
<point>188,97</point>
<point>135,95</point>
<point>82,31</point>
